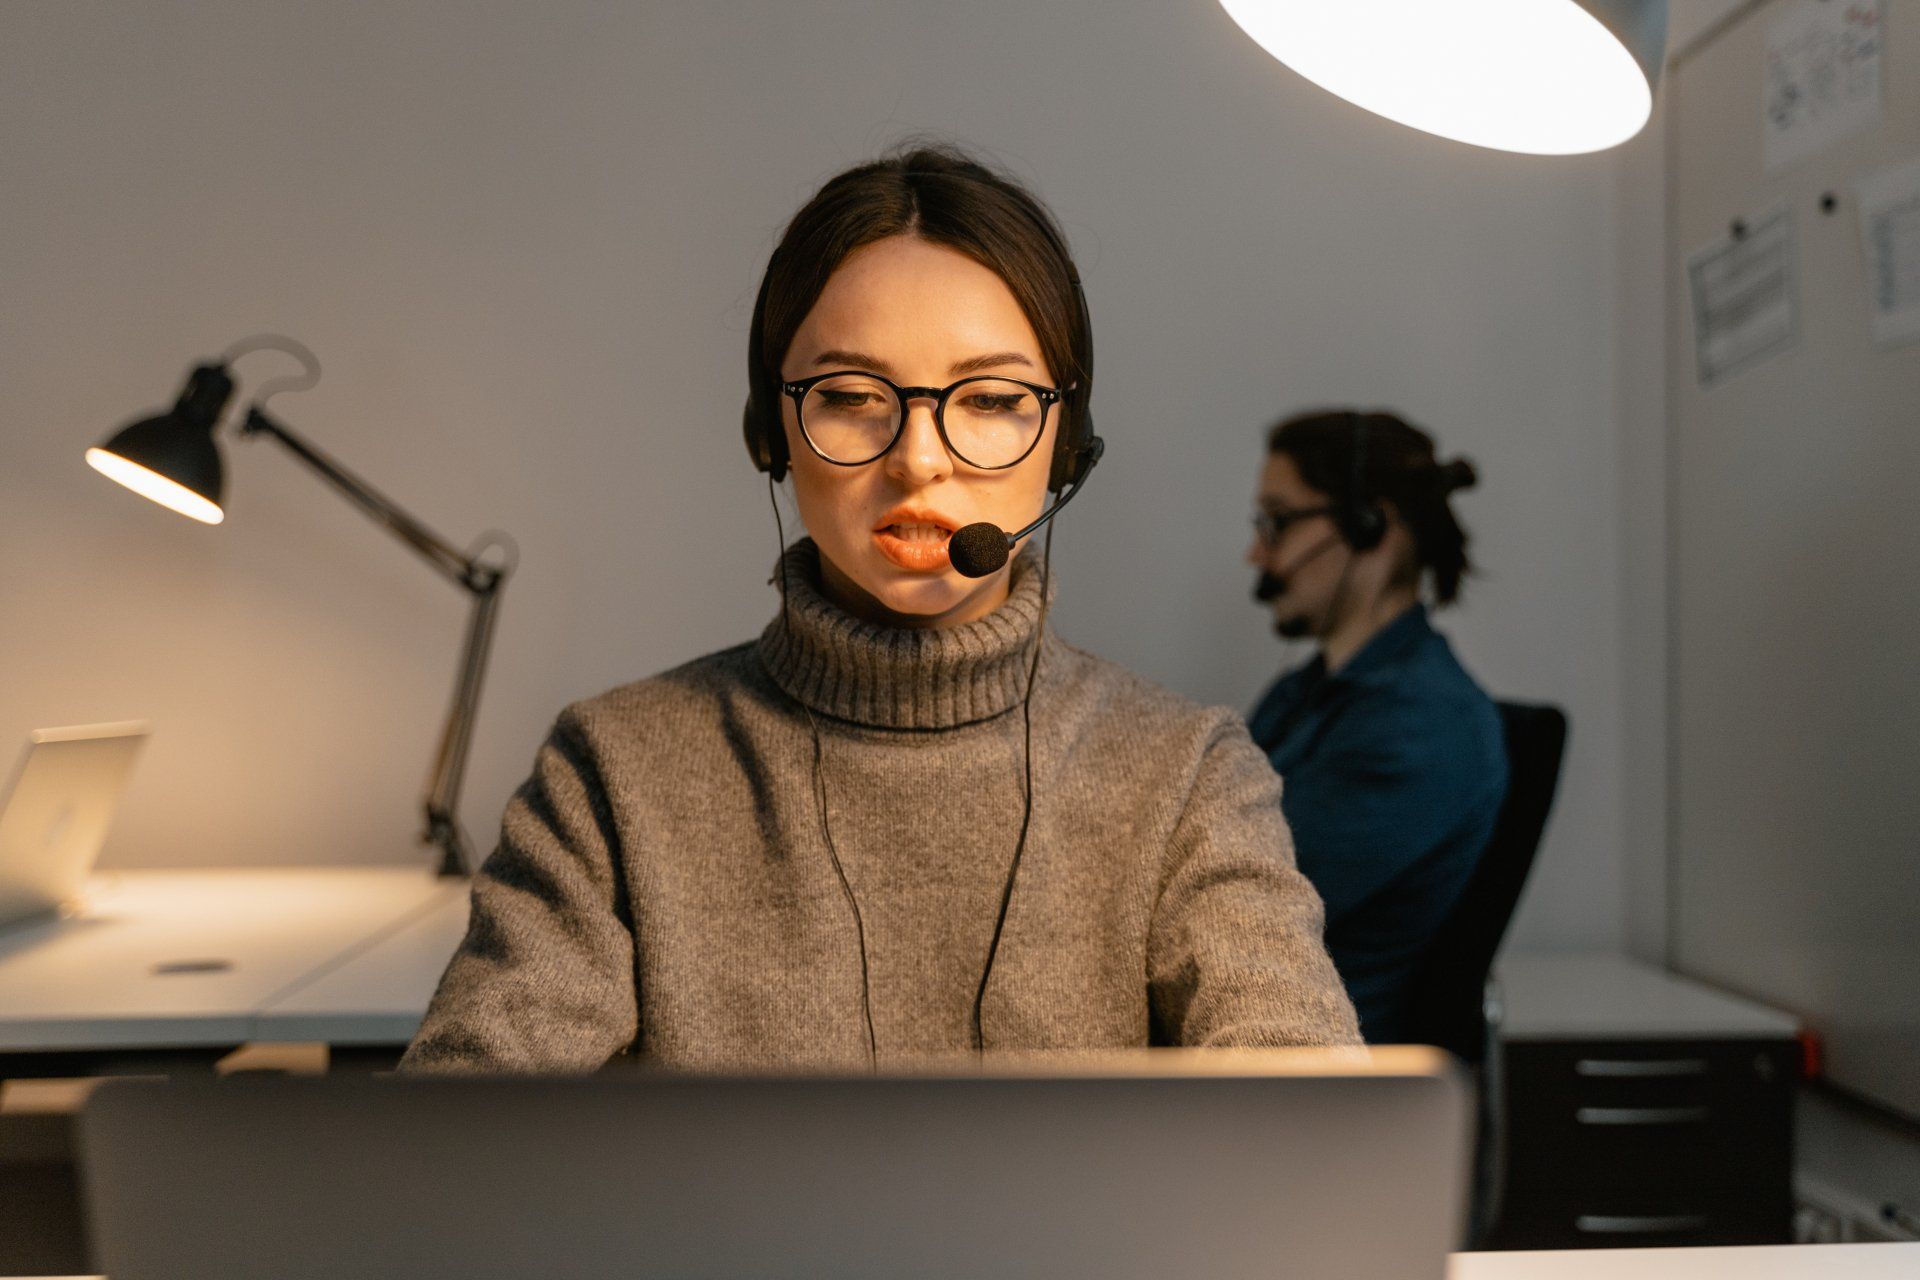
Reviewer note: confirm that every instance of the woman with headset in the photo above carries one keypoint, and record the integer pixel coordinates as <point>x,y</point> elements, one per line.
<point>1393,758</point>
<point>908,818</point>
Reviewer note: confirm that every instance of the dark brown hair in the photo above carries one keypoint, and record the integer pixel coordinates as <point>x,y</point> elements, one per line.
<point>1397,465</point>
<point>944,196</point>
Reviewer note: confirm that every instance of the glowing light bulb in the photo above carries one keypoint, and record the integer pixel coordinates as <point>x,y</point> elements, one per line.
<point>151,484</point>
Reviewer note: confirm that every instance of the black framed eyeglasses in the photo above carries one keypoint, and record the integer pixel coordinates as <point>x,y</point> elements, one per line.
<point>986,421</point>
<point>1269,526</point>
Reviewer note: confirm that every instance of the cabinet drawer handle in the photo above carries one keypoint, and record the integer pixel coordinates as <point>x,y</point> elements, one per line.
<point>1641,1115</point>
<point>1599,1224</point>
<point>1615,1068</point>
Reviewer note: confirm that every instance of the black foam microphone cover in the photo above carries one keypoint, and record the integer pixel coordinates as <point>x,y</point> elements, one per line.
<point>978,549</point>
<point>1270,587</point>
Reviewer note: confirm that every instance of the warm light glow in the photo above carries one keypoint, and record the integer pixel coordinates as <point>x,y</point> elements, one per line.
<point>1540,76</point>
<point>151,484</point>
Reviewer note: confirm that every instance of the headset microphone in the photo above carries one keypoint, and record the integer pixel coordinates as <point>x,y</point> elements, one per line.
<point>982,547</point>
<point>1272,586</point>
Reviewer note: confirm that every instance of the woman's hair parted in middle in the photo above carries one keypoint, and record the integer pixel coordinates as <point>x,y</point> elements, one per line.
<point>944,196</point>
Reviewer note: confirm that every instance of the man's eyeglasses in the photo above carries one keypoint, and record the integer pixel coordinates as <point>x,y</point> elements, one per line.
<point>1270,526</point>
<point>987,422</point>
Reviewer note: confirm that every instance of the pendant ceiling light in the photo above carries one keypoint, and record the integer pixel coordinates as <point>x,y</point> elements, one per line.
<point>1550,77</point>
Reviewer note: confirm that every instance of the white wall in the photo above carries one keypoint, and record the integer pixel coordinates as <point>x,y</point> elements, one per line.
<point>1640,389</point>
<point>525,239</point>
<point>1640,327</point>
<point>1846,1154</point>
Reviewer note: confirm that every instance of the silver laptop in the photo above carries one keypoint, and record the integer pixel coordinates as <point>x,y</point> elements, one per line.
<point>55,815</point>
<point>1155,1165</point>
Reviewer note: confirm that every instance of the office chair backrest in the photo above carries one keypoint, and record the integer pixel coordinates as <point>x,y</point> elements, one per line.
<point>1446,995</point>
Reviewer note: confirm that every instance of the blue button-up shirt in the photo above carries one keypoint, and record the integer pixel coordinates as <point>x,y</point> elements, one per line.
<point>1393,770</point>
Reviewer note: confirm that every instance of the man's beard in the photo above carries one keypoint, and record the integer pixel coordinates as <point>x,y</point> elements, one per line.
<point>1270,587</point>
<point>1293,627</point>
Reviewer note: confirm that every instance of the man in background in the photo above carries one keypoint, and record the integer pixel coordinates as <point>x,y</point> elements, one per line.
<point>1392,757</point>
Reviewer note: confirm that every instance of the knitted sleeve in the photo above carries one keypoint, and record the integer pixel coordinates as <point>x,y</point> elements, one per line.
<point>544,980</point>
<point>1234,950</point>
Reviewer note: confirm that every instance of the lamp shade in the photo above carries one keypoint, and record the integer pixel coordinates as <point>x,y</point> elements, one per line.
<point>172,458</point>
<point>1549,77</point>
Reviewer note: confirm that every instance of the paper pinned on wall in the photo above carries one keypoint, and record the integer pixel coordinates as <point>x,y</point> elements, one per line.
<point>1890,233</point>
<point>1745,297</point>
<point>1823,76</point>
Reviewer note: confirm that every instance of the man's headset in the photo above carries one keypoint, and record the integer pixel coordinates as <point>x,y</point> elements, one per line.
<point>1357,519</point>
<point>1360,519</point>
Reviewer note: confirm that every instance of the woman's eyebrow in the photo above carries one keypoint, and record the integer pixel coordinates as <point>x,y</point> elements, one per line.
<point>835,356</point>
<point>860,360</point>
<point>987,362</point>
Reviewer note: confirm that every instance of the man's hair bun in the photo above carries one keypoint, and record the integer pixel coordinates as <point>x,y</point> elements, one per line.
<point>1458,474</point>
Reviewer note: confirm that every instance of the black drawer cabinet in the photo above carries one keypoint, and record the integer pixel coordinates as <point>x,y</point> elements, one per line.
<point>1647,1142</point>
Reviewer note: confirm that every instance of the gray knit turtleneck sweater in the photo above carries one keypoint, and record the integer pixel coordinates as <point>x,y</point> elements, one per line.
<point>663,883</point>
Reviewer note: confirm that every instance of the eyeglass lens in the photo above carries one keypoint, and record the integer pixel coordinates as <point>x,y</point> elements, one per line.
<point>990,422</point>
<point>1268,526</point>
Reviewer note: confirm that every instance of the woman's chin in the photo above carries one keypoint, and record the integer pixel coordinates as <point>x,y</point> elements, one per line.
<point>918,598</point>
<point>880,590</point>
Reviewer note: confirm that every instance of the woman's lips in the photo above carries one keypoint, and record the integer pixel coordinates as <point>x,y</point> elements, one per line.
<point>921,548</point>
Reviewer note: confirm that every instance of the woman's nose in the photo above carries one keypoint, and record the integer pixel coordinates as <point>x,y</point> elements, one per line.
<point>919,456</point>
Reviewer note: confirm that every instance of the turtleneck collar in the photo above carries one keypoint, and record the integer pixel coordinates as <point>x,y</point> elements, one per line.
<point>900,677</point>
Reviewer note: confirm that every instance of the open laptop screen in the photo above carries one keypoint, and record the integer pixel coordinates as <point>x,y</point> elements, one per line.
<point>1155,1165</point>
<point>55,814</point>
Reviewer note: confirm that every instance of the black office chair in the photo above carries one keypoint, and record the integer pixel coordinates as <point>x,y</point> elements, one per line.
<point>1447,993</point>
<point>1451,1001</point>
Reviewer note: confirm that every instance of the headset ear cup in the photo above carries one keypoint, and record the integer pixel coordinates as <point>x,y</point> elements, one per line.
<point>1366,525</point>
<point>1362,523</point>
<point>766,442</point>
<point>1070,456</point>
<point>749,432</point>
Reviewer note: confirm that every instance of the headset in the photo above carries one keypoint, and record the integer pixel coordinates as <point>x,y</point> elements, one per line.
<point>1360,519</point>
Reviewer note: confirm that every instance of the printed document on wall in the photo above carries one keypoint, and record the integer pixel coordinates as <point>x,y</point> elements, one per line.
<point>1745,299</point>
<point>1822,77</point>
<point>1890,233</point>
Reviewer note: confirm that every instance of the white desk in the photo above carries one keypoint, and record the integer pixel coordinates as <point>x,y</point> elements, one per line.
<point>1776,1262</point>
<point>1756,1262</point>
<point>378,994</point>
<point>351,955</point>
<point>1579,995</point>
<point>189,959</point>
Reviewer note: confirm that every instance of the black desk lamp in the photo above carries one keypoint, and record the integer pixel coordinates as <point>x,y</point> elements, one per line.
<point>174,460</point>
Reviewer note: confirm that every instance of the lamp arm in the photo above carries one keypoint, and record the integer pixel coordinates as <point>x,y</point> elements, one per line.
<point>481,581</point>
<point>450,761</point>
<point>437,551</point>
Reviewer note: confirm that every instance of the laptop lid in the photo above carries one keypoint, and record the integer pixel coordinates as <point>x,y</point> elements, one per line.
<point>1153,1165</point>
<point>54,817</point>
